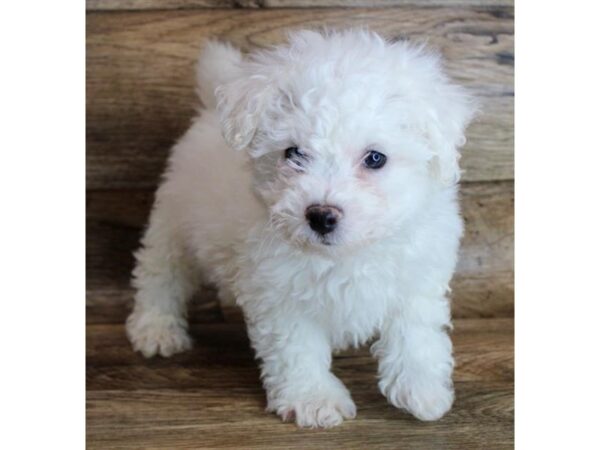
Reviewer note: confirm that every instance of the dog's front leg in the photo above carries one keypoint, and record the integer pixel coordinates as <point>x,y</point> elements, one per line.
<point>296,361</point>
<point>415,359</point>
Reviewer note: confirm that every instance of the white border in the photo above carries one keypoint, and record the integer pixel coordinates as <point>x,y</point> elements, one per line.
<point>42,188</point>
<point>557,225</point>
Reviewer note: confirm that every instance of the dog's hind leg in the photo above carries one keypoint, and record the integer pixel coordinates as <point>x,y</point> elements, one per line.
<point>164,280</point>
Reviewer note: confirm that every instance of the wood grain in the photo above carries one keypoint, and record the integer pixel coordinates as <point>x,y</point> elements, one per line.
<point>482,287</point>
<point>211,396</point>
<point>483,350</point>
<point>484,282</point>
<point>112,5</point>
<point>139,5</point>
<point>140,94</point>
<point>381,3</point>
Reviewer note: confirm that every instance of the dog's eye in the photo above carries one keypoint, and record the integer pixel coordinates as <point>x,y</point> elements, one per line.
<point>295,158</point>
<point>293,152</point>
<point>374,160</point>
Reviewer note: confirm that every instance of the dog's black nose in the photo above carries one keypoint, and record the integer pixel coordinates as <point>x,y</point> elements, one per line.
<point>323,218</point>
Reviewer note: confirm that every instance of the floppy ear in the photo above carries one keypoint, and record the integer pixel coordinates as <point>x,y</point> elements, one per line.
<point>450,112</point>
<point>219,63</point>
<point>240,104</point>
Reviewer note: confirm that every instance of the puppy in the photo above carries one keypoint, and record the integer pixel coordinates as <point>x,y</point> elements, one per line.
<point>318,191</point>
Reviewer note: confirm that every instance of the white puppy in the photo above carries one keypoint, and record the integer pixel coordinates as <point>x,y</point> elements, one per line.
<point>318,190</point>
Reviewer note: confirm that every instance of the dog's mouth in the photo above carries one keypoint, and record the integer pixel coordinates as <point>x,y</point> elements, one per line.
<point>326,243</point>
<point>325,240</point>
<point>316,240</point>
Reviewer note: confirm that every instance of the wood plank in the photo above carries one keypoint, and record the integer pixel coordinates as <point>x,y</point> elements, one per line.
<point>483,348</point>
<point>482,287</point>
<point>140,94</point>
<point>235,418</point>
<point>484,282</point>
<point>116,5</point>
<point>211,396</point>
<point>112,304</point>
<point>140,5</point>
<point>381,3</point>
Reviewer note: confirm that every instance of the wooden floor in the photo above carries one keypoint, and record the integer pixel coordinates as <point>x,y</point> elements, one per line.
<point>211,396</point>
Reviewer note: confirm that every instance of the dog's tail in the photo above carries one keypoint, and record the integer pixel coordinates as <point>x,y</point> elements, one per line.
<point>218,64</point>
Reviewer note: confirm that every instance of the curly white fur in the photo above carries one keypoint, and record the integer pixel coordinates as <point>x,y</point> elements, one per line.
<point>237,218</point>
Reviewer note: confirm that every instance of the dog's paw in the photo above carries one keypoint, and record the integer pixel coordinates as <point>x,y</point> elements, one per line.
<point>157,334</point>
<point>426,400</point>
<point>319,409</point>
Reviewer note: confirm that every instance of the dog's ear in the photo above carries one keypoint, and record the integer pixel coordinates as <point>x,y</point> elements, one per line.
<point>225,82</point>
<point>240,104</point>
<point>442,108</point>
<point>450,111</point>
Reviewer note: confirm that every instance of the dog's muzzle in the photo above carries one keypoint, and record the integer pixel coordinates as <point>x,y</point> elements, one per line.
<point>323,219</point>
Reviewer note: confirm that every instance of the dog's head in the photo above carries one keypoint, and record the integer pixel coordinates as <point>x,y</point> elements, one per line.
<point>348,134</point>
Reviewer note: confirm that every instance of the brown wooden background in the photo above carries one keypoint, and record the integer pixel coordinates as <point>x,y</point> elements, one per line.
<point>140,99</point>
